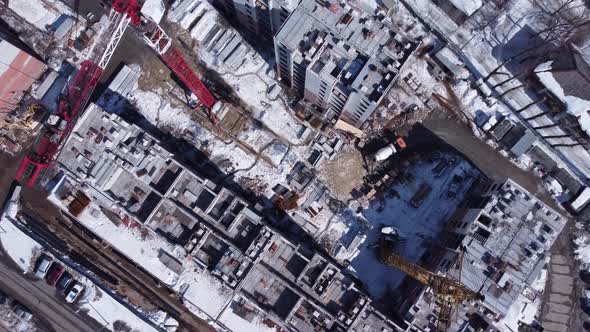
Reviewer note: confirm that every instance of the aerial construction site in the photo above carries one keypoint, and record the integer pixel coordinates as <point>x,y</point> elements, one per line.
<point>294,165</point>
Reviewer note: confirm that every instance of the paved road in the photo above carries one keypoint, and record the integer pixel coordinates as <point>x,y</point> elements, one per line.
<point>41,299</point>
<point>559,301</point>
<point>561,309</point>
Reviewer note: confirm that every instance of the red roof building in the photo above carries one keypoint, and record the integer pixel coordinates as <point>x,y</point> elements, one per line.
<point>18,71</point>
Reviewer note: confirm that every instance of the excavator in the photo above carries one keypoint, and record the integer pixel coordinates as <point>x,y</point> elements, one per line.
<point>449,292</point>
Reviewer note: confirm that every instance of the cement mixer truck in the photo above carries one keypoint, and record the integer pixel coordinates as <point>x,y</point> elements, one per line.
<point>390,150</point>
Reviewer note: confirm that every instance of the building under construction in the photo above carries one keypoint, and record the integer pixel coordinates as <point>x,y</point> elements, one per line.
<point>131,177</point>
<point>502,234</point>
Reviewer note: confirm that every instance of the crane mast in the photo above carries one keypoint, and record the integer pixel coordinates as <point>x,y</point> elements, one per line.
<point>59,126</point>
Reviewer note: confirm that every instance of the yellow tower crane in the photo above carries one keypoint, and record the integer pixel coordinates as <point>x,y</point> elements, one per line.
<point>449,292</point>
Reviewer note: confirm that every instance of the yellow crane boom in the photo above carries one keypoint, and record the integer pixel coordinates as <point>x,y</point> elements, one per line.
<point>448,291</point>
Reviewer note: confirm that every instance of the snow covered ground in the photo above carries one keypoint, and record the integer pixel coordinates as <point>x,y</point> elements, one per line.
<point>21,248</point>
<point>418,226</point>
<point>236,323</point>
<point>582,251</point>
<point>203,290</point>
<point>106,310</point>
<point>139,244</point>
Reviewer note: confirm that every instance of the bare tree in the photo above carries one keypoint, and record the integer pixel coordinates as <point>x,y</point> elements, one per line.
<point>556,21</point>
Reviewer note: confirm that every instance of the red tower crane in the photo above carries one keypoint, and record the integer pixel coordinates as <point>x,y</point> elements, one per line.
<point>59,126</point>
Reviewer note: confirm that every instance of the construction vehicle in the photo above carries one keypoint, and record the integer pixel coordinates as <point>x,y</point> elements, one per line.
<point>386,152</point>
<point>74,100</point>
<point>450,293</point>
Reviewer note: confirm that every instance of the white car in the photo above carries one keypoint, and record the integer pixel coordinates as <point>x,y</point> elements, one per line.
<point>74,293</point>
<point>43,264</point>
<point>22,312</point>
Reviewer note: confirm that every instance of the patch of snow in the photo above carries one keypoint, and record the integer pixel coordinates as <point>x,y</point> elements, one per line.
<point>203,290</point>
<point>39,13</point>
<point>144,252</point>
<point>236,323</point>
<point>159,112</point>
<point>467,6</point>
<point>153,9</point>
<point>582,251</point>
<point>19,246</point>
<point>106,310</point>
<point>575,106</point>
<point>525,309</point>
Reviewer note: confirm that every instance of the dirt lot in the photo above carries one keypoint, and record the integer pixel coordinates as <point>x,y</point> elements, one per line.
<point>344,173</point>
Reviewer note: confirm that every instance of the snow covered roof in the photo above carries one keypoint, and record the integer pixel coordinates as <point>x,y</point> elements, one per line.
<point>450,60</point>
<point>568,78</point>
<point>582,200</point>
<point>507,240</point>
<point>153,9</point>
<point>467,6</point>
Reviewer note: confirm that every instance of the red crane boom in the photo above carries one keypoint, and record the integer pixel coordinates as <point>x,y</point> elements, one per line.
<point>71,106</point>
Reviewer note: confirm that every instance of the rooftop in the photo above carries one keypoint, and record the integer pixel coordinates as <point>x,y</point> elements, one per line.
<point>511,236</point>
<point>345,43</point>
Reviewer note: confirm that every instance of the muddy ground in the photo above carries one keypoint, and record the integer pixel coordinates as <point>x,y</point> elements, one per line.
<point>344,173</point>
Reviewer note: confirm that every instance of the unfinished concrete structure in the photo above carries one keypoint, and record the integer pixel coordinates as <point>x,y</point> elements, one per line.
<point>340,58</point>
<point>122,168</point>
<point>19,69</point>
<point>505,234</point>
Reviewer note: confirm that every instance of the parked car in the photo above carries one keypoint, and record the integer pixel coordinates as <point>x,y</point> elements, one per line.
<point>23,312</point>
<point>55,272</point>
<point>74,293</point>
<point>65,282</point>
<point>43,264</point>
<point>4,299</point>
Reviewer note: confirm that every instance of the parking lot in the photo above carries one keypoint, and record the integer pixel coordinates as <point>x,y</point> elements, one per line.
<point>50,312</point>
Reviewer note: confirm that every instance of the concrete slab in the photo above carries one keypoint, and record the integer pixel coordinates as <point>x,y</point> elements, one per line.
<point>562,284</point>
<point>558,298</point>
<point>558,259</point>
<point>558,318</point>
<point>558,308</point>
<point>555,327</point>
<point>561,269</point>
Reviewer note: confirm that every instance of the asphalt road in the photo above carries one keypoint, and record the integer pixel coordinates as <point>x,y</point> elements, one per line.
<point>42,300</point>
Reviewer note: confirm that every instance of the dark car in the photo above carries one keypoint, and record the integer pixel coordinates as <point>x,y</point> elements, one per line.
<point>4,299</point>
<point>64,282</point>
<point>55,272</point>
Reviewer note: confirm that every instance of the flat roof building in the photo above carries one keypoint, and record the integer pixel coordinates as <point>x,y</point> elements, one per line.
<point>18,71</point>
<point>340,58</point>
<point>505,234</point>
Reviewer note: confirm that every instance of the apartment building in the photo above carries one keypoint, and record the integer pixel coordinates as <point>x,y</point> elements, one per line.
<point>340,58</point>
